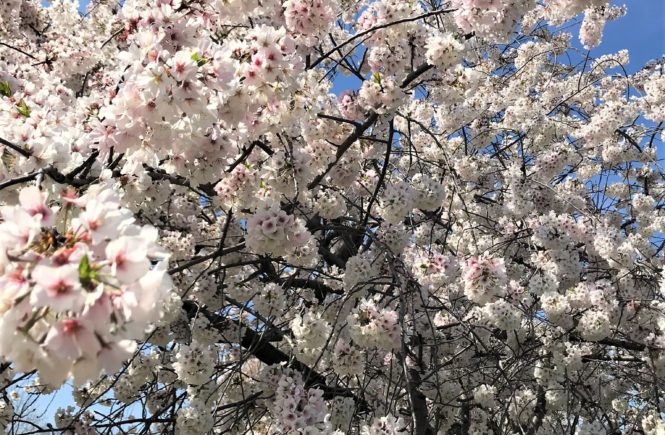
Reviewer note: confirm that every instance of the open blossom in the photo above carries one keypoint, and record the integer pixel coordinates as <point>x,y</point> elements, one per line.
<point>72,339</point>
<point>57,287</point>
<point>102,217</point>
<point>34,202</point>
<point>128,256</point>
<point>18,230</point>
<point>183,66</point>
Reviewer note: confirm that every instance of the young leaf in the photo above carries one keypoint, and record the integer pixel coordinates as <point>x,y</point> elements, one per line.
<point>5,89</point>
<point>23,108</point>
<point>87,274</point>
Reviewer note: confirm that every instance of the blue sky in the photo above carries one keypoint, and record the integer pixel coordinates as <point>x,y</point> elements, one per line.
<point>641,32</point>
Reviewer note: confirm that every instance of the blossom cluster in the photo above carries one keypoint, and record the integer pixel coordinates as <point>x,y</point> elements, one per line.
<point>272,230</point>
<point>372,326</point>
<point>74,300</point>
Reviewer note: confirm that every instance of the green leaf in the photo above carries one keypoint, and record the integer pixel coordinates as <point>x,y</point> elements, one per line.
<point>200,61</point>
<point>376,77</point>
<point>23,108</point>
<point>5,89</point>
<point>84,268</point>
<point>87,274</point>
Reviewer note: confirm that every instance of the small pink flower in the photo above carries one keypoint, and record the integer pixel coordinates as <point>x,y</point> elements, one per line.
<point>97,313</point>
<point>57,287</point>
<point>34,202</point>
<point>128,256</point>
<point>71,338</point>
<point>183,66</point>
<point>19,228</point>
<point>12,285</point>
<point>252,77</point>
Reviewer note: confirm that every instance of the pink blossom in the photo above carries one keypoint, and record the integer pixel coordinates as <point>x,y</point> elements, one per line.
<point>34,202</point>
<point>57,287</point>
<point>128,258</point>
<point>71,338</point>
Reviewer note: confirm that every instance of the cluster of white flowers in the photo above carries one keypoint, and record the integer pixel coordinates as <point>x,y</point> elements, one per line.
<point>503,315</point>
<point>309,17</point>
<point>594,325</point>
<point>271,230</point>
<point>179,245</point>
<point>372,326</point>
<point>294,406</point>
<point>395,237</point>
<point>434,269</point>
<point>444,51</point>
<point>381,94</point>
<point>654,98</point>
<point>320,286</point>
<point>329,204</point>
<point>428,194</point>
<point>653,425</point>
<point>348,359</point>
<point>234,189</point>
<point>359,269</point>
<point>387,425</point>
<point>311,333</point>
<point>591,31</point>
<point>193,419</point>
<point>269,300</point>
<point>551,163</point>
<point>71,421</point>
<point>485,396</point>
<point>194,363</point>
<point>396,201</point>
<point>490,18</point>
<point>203,332</point>
<point>554,305</point>
<point>484,278</point>
<point>522,405</point>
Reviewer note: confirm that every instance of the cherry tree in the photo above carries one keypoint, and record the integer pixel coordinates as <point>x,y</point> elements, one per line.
<point>198,235</point>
